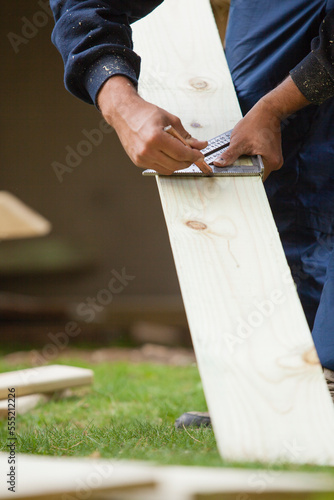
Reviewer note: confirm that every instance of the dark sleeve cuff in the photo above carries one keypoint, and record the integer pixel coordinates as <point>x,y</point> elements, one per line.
<point>105,67</point>
<point>313,80</point>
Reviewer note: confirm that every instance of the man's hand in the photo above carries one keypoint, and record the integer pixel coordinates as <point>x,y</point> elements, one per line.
<point>259,132</point>
<point>139,126</point>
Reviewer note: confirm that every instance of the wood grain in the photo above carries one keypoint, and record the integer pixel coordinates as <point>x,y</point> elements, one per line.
<point>19,221</point>
<point>262,379</point>
<point>184,68</point>
<point>22,404</point>
<point>43,379</point>
<point>78,478</point>
<point>55,478</point>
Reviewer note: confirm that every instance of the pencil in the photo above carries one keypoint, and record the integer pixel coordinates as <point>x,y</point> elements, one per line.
<point>201,164</point>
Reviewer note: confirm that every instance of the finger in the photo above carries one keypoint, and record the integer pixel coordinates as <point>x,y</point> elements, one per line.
<point>197,158</point>
<point>195,143</point>
<point>170,163</point>
<point>178,151</point>
<point>176,165</point>
<point>161,170</point>
<point>228,157</point>
<point>165,161</point>
<point>159,161</point>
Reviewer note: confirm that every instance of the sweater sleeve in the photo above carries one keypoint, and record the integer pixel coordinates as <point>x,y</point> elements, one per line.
<point>314,75</point>
<point>94,38</point>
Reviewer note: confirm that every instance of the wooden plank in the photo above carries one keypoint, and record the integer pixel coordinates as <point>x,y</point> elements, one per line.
<point>19,221</point>
<point>205,483</point>
<point>56,478</point>
<point>270,495</point>
<point>43,379</point>
<point>195,483</point>
<point>262,379</point>
<point>189,77</point>
<point>43,477</point>
<point>22,404</point>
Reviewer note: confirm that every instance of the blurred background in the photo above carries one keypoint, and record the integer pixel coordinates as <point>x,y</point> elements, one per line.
<point>105,216</point>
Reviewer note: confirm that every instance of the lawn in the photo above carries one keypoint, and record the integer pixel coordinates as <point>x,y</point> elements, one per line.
<point>128,413</point>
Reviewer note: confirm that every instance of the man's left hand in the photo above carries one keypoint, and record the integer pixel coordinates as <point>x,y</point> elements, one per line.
<point>258,133</point>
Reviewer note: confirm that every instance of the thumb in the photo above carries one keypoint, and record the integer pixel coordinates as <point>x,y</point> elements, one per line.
<point>229,156</point>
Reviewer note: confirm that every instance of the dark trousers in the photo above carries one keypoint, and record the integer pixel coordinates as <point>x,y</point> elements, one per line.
<point>264,41</point>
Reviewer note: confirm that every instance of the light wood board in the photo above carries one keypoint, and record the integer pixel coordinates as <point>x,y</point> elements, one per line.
<point>63,478</point>
<point>55,478</point>
<point>262,379</point>
<point>43,379</point>
<point>19,221</point>
<point>214,483</point>
<point>23,404</point>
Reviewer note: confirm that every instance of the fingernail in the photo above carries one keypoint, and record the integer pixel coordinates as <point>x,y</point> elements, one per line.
<point>220,163</point>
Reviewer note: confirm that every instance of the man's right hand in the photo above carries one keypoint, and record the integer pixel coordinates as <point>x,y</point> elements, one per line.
<point>139,126</point>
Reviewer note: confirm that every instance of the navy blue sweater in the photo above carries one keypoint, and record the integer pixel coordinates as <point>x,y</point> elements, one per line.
<point>94,39</point>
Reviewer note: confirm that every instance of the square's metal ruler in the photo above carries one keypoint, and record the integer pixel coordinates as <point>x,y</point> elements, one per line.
<point>245,165</point>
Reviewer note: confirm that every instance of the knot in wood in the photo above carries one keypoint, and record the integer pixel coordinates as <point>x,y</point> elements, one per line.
<point>199,84</point>
<point>197,225</point>
<point>311,357</point>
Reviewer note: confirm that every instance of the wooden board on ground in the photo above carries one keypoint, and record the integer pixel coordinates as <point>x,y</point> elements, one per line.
<point>55,478</point>
<point>23,404</point>
<point>212,483</point>
<point>19,221</point>
<point>63,478</point>
<point>43,379</point>
<point>262,379</point>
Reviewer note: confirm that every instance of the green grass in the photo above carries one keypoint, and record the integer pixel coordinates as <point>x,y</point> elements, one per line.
<point>128,413</point>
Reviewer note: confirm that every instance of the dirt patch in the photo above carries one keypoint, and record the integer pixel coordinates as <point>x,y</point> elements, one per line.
<point>148,353</point>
